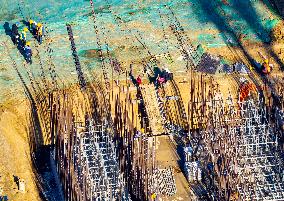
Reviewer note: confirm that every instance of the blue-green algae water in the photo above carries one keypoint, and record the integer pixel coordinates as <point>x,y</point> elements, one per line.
<point>254,18</point>
<point>211,23</point>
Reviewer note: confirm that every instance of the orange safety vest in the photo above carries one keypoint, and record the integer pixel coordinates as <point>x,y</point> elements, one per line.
<point>245,90</point>
<point>266,68</point>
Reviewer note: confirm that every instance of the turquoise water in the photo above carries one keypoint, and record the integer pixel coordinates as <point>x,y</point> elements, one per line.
<point>215,24</point>
<point>250,18</point>
<point>245,16</point>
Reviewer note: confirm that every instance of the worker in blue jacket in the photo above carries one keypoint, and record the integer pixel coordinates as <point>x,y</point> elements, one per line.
<point>28,53</point>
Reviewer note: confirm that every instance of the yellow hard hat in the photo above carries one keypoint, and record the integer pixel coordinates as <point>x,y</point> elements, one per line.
<point>154,196</point>
<point>39,24</point>
<point>266,61</point>
<point>31,21</point>
<point>28,43</point>
<point>25,29</point>
<point>142,130</point>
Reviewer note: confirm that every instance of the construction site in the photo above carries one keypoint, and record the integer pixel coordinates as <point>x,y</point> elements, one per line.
<point>141,100</point>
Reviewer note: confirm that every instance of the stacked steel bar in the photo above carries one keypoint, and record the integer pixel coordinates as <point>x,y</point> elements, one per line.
<point>236,147</point>
<point>85,156</point>
<point>105,144</point>
<point>164,182</point>
<point>260,170</point>
<point>136,150</point>
<point>90,169</point>
<point>275,106</point>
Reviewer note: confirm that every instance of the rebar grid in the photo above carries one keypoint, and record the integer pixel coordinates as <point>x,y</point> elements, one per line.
<point>239,141</point>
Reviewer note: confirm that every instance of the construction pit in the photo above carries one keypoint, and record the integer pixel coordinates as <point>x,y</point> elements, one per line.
<point>143,100</point>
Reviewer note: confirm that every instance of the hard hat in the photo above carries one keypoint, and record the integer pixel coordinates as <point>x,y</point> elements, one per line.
<point>266,61</point>
<point>31,21</point>
<point>28,43</point>
<point>39,24</point>
<point>142,130</point>
<point>25,29</point>
<point>17,24</point>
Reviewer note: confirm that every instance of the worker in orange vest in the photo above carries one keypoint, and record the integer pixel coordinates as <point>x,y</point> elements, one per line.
<point>266,67</point>
<point>39,32</point>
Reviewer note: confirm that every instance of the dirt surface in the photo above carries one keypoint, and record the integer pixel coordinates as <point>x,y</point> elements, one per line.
<point>15,152</point>
<point>15,108</point>
<point>167,157</point>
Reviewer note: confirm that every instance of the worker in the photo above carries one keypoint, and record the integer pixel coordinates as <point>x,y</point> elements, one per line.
<point>166,73</point>
<point>153,196</point>
<point>139,80</point>
<point>40,32</point>
<point>160,80</point>
<point>15,33</point>
<point>31,25</point>
<point>266,67</point>
<point>34,26</point>
<point>23,36</point>
<point>28,52</point>
<point>234,196</point>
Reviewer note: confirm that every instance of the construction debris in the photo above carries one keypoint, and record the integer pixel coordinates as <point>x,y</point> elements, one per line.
<point>209,64</point>
<point>22,185</point>
<point>241,68</point>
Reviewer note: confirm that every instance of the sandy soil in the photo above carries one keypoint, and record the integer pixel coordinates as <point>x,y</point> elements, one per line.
<point>15,110</point>
<point>167,157</point>
<point>15,152</point>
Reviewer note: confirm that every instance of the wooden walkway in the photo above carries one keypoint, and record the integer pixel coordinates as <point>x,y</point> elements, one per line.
<point>152,108</point>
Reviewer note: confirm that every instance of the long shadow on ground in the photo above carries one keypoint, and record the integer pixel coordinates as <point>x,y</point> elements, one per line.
<point>40,153</point>
<point>214,13</point>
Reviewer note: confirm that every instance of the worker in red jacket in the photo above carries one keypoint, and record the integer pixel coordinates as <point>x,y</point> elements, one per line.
<point>139,80</point>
